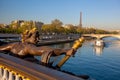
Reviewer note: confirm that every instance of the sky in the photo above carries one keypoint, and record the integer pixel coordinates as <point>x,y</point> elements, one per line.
<point>102,14</point>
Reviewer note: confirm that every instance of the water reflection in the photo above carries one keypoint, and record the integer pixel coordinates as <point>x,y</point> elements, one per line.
<point>105,67</point>
<point>98,50</point>
<point>108,42</point>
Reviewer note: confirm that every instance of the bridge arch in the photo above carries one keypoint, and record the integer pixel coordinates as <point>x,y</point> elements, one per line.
<point>110,36</point>
<point>100,36</point>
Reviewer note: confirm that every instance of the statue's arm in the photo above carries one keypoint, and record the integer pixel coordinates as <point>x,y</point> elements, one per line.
<point>6,47</point>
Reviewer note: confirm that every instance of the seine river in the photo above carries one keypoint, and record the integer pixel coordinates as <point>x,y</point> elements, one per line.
<point>98,63</point>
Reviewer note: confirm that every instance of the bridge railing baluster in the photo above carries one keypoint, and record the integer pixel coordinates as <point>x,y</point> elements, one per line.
<point>12,68</point>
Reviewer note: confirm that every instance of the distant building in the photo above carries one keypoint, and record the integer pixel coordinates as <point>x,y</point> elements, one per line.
<point>68,26</point>
<point>19,23</point>
<point>4,26</point>
<point>118,31</point>
<point>38,25</point>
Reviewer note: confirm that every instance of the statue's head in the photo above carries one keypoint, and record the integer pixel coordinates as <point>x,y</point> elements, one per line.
<point>26,31</point>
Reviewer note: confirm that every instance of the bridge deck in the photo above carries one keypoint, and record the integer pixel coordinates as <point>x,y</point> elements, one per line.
<point>99,36</point>
<point>33,71</point>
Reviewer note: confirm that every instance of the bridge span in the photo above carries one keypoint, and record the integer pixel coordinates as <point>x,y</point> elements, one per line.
<point>100,36</point>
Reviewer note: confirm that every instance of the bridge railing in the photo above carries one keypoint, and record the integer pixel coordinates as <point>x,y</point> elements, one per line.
<point>12,68</point>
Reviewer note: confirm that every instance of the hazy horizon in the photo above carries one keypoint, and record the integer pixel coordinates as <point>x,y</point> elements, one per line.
<point>103,14</point>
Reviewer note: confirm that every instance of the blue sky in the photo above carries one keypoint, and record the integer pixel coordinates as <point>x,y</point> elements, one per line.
<point>103,14</point>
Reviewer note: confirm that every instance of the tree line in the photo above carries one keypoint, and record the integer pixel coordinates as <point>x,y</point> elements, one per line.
<point>56,27</point>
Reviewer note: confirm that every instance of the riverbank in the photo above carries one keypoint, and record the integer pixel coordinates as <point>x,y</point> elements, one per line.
<point>16,38</point>
<point>2,35</point>
<point>49,42</point>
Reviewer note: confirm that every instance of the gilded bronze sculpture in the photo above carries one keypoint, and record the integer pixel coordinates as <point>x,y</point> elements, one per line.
<point>25,47</point>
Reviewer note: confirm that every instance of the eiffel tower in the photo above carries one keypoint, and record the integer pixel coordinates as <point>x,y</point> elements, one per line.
<point>80,25</point>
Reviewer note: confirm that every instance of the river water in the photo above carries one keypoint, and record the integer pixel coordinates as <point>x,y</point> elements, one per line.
<point>98,63</point>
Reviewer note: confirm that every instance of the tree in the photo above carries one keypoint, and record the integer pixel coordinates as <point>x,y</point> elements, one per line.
<point>56,22</point>
<point>47,28</point>
<point>60,30</point>
<point>79,30</point>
